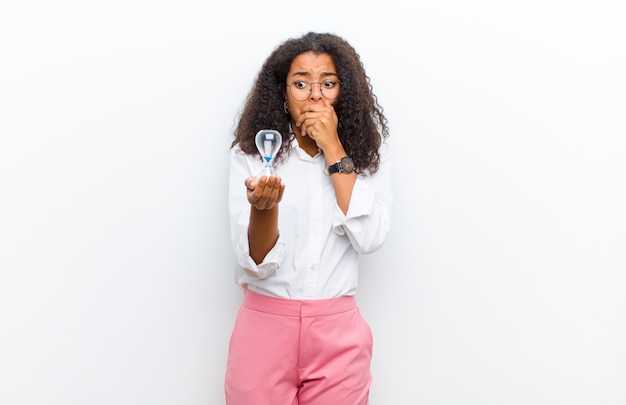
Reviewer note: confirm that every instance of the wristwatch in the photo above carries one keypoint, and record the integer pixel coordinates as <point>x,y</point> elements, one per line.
<point>345,165</point>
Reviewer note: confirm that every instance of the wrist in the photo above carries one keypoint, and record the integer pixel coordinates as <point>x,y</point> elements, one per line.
<point>343,165</point>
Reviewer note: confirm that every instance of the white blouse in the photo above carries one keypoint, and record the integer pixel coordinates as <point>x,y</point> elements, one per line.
<point>317,252</point>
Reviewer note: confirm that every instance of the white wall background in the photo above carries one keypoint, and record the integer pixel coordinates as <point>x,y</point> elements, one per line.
<point>503,280</point>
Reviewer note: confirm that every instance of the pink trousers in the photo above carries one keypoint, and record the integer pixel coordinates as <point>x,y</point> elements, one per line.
<point>298,352</point>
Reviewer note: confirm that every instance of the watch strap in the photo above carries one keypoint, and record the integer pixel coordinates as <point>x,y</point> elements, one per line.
<point>332,169</point>
<point>338,166</point>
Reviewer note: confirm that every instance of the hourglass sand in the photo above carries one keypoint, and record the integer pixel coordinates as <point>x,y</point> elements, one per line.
<point>268,143</point>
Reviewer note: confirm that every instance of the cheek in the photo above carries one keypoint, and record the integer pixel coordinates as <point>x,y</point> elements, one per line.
<point>294,110</point>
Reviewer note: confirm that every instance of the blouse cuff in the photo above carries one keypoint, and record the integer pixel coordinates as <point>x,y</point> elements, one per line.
<point>269,264</point>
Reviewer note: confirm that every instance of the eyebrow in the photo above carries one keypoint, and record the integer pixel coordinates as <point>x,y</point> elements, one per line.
<point>307,73</point>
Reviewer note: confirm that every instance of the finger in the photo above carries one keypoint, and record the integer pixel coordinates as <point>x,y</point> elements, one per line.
<point>307,118</point>
<point>311,126</point>
<point>272,184</point>
<point>269,184</point>
<point>309,113</point>
<point>256,190</point>
<point>281,191</point>
<point>250,183</point>
<point>271,194</point>
<point>314,108</point>
<point>272,189</point>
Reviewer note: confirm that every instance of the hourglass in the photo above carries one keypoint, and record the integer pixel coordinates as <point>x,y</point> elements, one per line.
<point>268,142</point>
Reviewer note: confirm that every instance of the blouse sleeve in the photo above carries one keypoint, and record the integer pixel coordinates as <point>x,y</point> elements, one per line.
<point>367,221</point>
<point>242,167</point>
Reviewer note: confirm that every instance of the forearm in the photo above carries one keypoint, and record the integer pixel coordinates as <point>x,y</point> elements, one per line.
<point>342,182</point>
<point>262,232</point>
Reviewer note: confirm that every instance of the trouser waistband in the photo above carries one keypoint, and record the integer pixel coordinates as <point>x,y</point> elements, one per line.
<point>304,308</point>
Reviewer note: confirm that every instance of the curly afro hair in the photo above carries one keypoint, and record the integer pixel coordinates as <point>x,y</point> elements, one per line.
<point>362,126</point>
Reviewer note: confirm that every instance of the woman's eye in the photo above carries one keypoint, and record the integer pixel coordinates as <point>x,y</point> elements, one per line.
<point>300,84</point>
<point>328,84</point>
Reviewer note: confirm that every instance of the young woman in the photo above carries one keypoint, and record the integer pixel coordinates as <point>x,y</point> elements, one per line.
<point>297,235</point>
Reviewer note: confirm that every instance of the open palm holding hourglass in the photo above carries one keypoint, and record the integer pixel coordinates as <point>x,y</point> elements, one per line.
<point>268,142</point>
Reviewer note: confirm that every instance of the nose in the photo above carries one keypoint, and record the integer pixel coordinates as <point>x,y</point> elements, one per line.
<point>316,91</point>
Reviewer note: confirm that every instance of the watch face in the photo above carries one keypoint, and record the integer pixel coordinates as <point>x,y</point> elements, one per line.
<point>347,165</point>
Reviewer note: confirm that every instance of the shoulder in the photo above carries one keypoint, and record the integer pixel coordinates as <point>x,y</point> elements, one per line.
<point>236,150</point>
